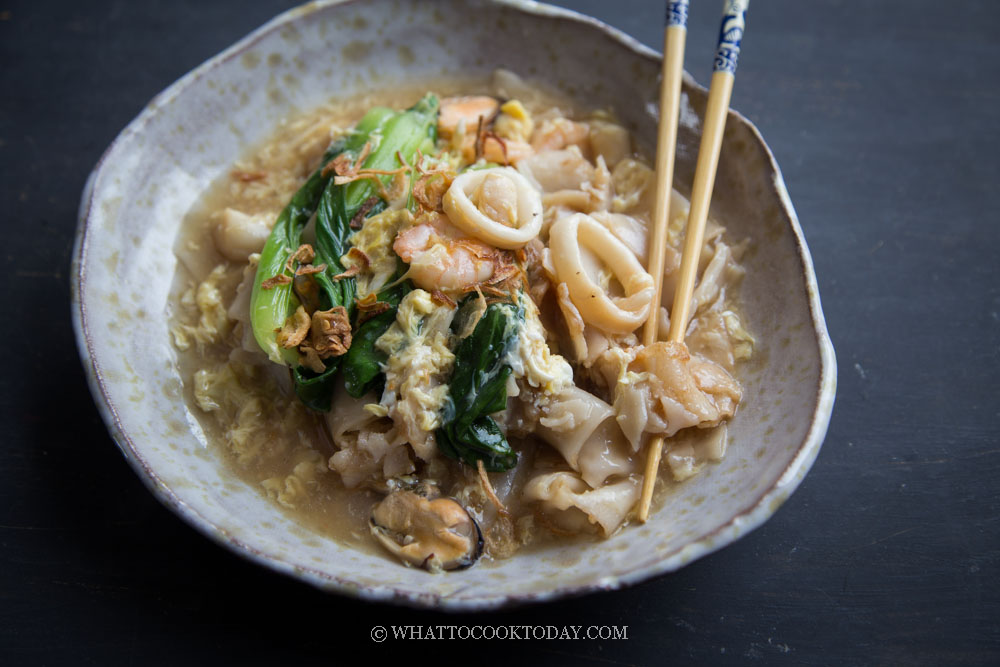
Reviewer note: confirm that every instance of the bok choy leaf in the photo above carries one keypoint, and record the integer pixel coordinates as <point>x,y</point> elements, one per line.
<point>478,388</point>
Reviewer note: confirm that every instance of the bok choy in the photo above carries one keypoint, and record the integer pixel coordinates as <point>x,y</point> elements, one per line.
<point>362,365</point>
<point>478,388</point>
<point>383,136</point>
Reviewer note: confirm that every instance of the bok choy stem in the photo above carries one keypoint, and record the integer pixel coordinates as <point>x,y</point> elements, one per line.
<point>270,308</point>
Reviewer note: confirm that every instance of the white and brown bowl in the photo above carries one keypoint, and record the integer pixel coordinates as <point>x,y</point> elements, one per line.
<point>192,132</point>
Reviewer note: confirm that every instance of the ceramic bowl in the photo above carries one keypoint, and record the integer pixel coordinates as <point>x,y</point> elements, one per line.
<point>192,132</point>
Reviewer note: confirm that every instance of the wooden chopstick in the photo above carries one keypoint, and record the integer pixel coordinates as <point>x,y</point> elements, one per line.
<point>713,126</point>
<point>674,38</point>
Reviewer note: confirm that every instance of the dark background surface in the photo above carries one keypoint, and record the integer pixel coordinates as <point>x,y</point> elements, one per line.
<point>883,116</point>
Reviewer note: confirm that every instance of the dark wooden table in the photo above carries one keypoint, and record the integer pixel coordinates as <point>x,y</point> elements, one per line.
<point>883,116</point>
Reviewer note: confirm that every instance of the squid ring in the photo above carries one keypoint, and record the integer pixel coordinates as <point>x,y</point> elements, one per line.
<point>469,217</point>
<point>620,315</point>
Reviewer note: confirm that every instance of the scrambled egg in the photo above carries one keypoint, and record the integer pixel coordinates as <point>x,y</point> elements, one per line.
<point>213,323</point>
<point>291,490</point>
<point>532,359</point>
<point>419,365</point>
<point>514,122</point>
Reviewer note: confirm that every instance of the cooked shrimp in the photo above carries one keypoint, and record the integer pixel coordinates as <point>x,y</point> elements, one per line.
<point>495,149</point>
<point>465,112</point>
<point>441,257</point>
<point>555,134</point>
<point>459,122</point>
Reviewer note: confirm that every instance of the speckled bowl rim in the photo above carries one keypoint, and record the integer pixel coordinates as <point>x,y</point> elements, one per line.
<point>745,521</point>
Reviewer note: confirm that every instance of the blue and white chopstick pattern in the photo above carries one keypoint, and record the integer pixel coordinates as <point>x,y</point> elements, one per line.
<point>677,13</point>
<point>730,35</point>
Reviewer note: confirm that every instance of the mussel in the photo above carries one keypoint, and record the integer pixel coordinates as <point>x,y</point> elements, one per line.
<point>432,533</point>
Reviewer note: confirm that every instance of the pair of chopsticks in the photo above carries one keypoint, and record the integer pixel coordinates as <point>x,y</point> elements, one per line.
<point>716,110</point>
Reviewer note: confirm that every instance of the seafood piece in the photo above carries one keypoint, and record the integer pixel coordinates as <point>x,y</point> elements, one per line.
<point>557,133</point>
<point>462,114</point>
<point>567,179</point>
<point>496,149</point>
<point>615,314</point>
<point>554,171</point>
<point>498,206</point>
<point>238,235</point>
<point>633,232</point>
<point>435,534</point>
<point>441,257</point>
